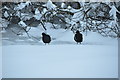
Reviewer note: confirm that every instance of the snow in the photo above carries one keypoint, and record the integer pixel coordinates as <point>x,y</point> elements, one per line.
<point>6,8</point>
<point>50,5</point>
<point>44,10</point>
<point>18,13</point>
<point>69,7</point>
<point>22,24</point>
<point>62,5</point>
<point>0,58</point>
<point>77,16</point>
<point>37,11</point>
<point>3,23</point>
<point>37,14</point>
<point>6,14</point>
<point>22,5</point>
<point>96,57</point>
<point>28,3</point>
<point>23,57</point>
<point>113,12</point>
<point>25,16</point>
<point>3,31</point>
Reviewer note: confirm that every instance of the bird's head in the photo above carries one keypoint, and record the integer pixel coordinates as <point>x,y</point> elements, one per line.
<point>77,31</point>
<point>43,34</point>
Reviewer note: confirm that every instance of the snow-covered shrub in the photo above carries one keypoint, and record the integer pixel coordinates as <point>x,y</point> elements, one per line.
<point>93,16</point>
<point>3,23</point>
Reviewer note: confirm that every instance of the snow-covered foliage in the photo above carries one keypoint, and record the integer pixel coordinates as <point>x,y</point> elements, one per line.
<point>113,12</point>
<point>25,16</point>
<point>6,14</point>
<point>37,15</point>
<point>22,5</point>
<point>50,5</point>
<point>91,16</point>
<point>3,23</point>
<point>22,24</point>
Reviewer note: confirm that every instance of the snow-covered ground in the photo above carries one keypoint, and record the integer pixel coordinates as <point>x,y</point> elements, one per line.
<point>0,59</point>
<point>96,57</point>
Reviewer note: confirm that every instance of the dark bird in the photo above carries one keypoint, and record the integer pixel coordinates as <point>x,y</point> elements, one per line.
<point>46,38</point>
<point>78,37</point>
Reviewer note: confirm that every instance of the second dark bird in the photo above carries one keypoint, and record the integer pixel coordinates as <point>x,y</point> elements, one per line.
<point>46,38</point>
<point>78,37</point>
